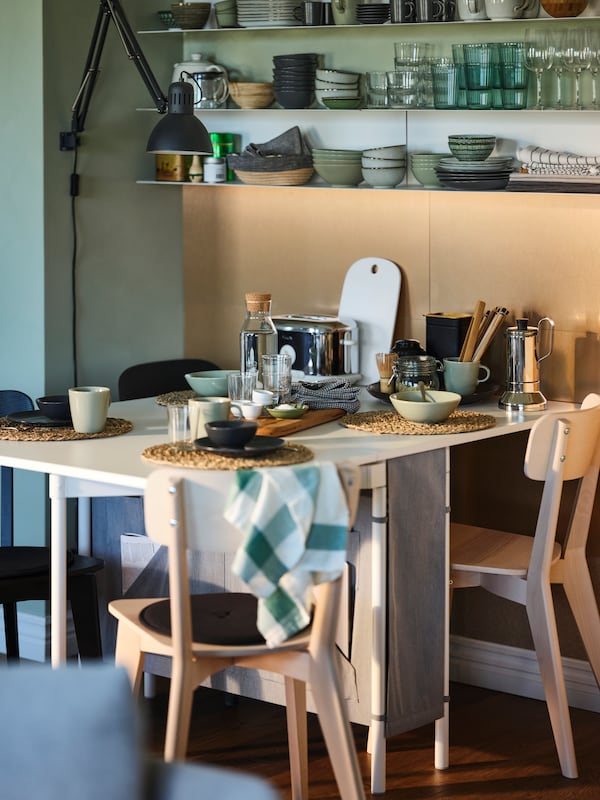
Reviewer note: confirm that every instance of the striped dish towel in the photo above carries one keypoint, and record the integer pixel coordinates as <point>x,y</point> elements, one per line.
<point>329,394</point>
<point>294,522</point>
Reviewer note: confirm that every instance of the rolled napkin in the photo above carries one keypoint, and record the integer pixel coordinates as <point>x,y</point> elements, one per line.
<point>540,161</point>
<point>328,394</point>
<point>294,521</point>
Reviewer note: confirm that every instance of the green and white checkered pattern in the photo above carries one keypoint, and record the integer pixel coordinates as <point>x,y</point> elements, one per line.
<point>294,521</point>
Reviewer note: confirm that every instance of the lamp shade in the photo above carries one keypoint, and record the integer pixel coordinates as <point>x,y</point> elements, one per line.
<point>180,131</point>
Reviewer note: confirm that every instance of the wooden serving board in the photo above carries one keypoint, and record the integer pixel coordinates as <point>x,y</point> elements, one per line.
<point>285,427</point>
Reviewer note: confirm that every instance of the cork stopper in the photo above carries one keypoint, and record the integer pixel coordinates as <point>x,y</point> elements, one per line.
<point>258,301</point>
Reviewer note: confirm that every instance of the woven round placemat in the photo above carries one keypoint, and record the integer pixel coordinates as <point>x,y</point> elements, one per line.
<point>179,398</point>
<point>19,432</point>
<point>390,422</point>
<point>180,455</point>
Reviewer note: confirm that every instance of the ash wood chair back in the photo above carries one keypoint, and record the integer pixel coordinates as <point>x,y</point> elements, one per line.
<point>562,447</point>
<point>184,509</point>
<point>157,377</point>
<point>24,570</point>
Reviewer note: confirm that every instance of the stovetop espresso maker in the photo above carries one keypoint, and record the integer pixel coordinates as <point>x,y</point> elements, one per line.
<point>522,365</point>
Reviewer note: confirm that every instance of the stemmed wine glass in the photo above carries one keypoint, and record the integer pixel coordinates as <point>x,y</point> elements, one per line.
<point>576,55</point>
<point>558,68</point>
<point>539,54</point>
<point>595,66</point>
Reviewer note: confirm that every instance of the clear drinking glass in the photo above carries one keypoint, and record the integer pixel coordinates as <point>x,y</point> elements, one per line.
<point>539,55</point>
<point>576,55</point>
<point>558,68</point>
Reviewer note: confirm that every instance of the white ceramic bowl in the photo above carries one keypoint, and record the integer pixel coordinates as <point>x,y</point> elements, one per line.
<point>411,406</point>
<point>369,161</point>
<point>210,383</point>
<point>391,151</point>
<point>380,177</point>
<point>336,76</point>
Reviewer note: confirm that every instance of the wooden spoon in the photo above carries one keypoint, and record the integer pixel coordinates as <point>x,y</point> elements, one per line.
<point>426,397</point>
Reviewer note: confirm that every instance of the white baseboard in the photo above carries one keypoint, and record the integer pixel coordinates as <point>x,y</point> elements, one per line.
<point>34,636</point>
<point>515,671</point>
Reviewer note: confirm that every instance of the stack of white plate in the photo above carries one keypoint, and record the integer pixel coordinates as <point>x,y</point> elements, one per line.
<point>493,173</point>
<point>267,13</point>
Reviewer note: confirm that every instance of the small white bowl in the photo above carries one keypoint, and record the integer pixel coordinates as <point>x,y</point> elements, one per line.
<point>383,177</point>
<point>391,151</point>
<point>411,405</point>
<point>336,76</point>
<point>369,161</point>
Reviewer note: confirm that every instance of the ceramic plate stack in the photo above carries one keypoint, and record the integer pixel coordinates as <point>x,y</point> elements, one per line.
<point>266,13</point>
<point>372,13</point>
<point>338,167</point>
<point>493,173</point>
<point>294,79</point>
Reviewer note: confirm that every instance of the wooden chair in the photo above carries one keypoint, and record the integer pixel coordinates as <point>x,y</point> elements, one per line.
<point>561,447</point>
<point>158,377</point>
<point>25,570</point>
<point>184,508</point>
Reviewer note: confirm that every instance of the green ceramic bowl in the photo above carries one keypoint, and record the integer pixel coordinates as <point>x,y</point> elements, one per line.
<point>295,412</point>
<point>341,102</point>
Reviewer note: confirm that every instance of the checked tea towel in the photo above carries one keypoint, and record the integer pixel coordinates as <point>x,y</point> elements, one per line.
<point>294,522</point>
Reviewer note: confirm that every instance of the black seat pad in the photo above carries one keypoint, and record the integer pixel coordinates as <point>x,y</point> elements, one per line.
<point>23,560</point>
<point>224,618</point>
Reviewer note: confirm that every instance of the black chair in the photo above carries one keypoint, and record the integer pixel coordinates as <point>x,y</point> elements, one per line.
<point>158,377</point>
<point>25,571</point>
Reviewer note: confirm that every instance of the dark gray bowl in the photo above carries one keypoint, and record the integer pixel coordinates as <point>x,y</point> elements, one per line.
<point>55,406</point>
<point>231,433</point>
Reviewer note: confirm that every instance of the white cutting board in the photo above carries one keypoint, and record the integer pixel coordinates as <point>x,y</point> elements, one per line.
<point>370,296</point>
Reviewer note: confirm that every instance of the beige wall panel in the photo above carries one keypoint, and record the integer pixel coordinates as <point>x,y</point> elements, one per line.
<point>297,244</point>
<point>536,254</point>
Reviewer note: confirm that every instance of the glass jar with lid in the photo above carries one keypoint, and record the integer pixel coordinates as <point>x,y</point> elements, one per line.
<point>410,370</point>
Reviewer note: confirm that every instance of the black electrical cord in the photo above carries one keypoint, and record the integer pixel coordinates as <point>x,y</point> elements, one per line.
<point>74,195</point>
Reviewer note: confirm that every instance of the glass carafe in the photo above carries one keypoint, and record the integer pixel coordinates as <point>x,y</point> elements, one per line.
<point>258,336</point>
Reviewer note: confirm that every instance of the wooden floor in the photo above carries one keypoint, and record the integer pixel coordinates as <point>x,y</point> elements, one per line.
<point>501,747</point>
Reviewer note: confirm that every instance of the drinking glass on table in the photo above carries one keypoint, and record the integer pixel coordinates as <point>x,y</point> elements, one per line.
<point>539,55</point>
<point>576,55</point>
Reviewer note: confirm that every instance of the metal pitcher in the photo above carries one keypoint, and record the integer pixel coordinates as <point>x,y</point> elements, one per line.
<point>522,365</point>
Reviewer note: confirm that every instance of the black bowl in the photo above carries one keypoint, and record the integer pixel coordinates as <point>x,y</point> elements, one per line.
<point>294,99</point>
<point>231,433</point>
<point>55,406</point>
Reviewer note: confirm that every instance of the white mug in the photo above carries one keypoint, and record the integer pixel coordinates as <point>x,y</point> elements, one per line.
<point>246,409</point>
<point>471,10</point>
<point>89,408</point>
<point>206,409</point>
<point>506,9</point>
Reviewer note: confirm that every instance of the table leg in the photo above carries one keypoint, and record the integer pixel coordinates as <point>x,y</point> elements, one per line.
<point>441,756</point>
<point>377,743</point>
<point>58,570</point>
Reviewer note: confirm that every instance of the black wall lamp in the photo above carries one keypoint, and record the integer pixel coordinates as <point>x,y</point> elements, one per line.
<point>180,131</point>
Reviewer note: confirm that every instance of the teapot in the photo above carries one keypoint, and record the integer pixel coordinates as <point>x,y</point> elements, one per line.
<point>196,70</point>
<point>522,366</point>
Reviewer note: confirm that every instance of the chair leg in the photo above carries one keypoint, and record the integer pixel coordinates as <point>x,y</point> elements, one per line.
<point>128,654</point>
<point>331,708</point>
<point>540,611</point>
<point>295,701</point>
<point>582,599</point>
<point>83,595</point>
<point>181,695</point>
<point>11,633</point>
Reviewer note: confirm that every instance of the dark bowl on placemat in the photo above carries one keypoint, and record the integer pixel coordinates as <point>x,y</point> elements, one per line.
<point>55,406</point>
